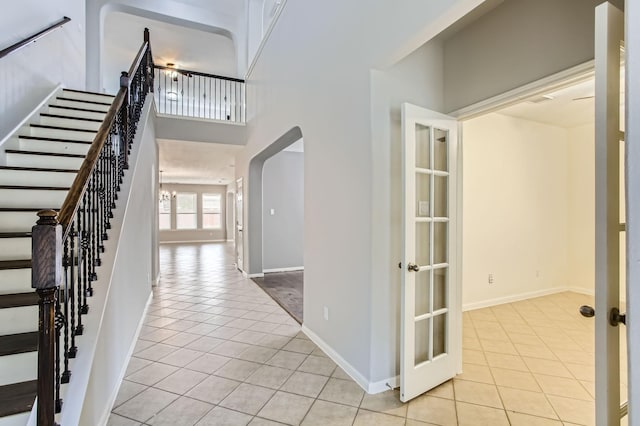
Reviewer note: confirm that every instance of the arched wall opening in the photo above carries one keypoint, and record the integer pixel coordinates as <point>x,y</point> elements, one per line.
<point>255,265</point>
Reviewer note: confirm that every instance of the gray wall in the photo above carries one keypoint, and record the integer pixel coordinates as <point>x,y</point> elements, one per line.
<point>283,191</point>
<point>518,42</point>
<point>198,234</point>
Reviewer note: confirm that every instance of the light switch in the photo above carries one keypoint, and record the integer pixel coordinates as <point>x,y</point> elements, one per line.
<point>272,212</point>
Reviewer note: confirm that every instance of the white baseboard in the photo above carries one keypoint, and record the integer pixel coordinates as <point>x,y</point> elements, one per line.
<point>581,290</point>
<point>112,399</point>
<point>369,387</point>
<point>512,298</point>
<point>289,269</point>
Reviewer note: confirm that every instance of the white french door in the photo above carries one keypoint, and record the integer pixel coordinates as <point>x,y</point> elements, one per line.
<point>431,314</point>
<point>609,227</point>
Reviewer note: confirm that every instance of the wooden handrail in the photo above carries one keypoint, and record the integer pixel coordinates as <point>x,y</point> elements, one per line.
<point>79,186</point>
<point>19,45</point>
<point>183,71</point>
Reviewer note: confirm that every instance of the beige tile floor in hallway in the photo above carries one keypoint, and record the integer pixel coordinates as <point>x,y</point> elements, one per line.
<point>216,350</point>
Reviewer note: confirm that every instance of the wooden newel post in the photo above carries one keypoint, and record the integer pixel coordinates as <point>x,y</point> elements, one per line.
<point>46,272</point>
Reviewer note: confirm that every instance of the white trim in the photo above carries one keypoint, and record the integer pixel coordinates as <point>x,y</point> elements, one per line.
<point>547,84</point>
<point>27,119</point>
<point>289,269</point>
<point>384,385</point>
<point>513,298</point>
<point>244,274</point>
<point>104,418</point>
<point>192,241</point>
<point>264,40</point>
<point>202,120</point>
<point>335,357</point>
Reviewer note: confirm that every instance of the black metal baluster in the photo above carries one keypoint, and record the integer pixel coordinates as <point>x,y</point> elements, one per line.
<point>66,261</point>
<point>80,269</point>
<point>73,350</point>
<point>85,253</point>
<point>59,321</point>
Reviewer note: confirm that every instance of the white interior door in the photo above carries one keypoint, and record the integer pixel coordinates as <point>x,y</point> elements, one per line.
<point>239,226</point>
<point>431,314</point>
<point>609,37</point>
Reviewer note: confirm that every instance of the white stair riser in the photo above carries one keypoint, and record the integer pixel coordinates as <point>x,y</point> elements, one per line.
<point>15,420</point>
<point>46,161</point>
<point>17,222</point>
<point>75,113</point>
<point>32,198</point>
<point>18,320</point>
<point>27,177</point>
<point>19,368</point>
<point>69,123</point>
<point>87,97</point>
<point>87,136</point>
<point>57,147</point>
<point>15,281</point>
<point>15,248</point>
<point>84,105</point>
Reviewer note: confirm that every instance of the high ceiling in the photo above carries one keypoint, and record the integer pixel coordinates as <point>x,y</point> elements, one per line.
<point>185,47</point>
<point>197,162</point>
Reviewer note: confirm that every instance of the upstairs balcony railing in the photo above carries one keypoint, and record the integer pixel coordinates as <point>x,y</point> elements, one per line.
<point>195,94</point>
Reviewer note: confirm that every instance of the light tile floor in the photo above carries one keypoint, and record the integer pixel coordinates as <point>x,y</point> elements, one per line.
<point>216,350</point>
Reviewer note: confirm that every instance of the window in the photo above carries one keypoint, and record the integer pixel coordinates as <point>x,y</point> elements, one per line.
<point>211,211</point>
<point>186,211</point>
<point>165,214</point>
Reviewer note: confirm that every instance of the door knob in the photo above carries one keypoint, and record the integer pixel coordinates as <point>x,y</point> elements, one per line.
<point>587,311</point>
<point>413,267</point>
<point>615,317</point>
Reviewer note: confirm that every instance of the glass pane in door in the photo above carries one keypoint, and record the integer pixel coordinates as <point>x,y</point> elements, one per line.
<point>440,200</point>
<point>440,148</point>
<point>439,334</point>
<point>440,242</point>
<point>440,288</point>
<point>422,341</point>
<point>423,149</point>
<point>423,292</point>
<point>423,244</point>
<point>423,194</point>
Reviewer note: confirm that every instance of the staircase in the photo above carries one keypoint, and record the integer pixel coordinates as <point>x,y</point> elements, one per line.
<point>41,163</point>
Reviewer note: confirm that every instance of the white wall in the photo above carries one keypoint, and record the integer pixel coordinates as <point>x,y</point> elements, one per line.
<point>520,41</point>
<point>516,208</point>
<point>29,74</point>
<point>307,75</point>
<point>283,191</point>
<point>582,208</point>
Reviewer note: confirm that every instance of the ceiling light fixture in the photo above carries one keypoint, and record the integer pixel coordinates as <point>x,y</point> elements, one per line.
<point>172,96</point>
<point>173,74</point>
<point>164,195</point>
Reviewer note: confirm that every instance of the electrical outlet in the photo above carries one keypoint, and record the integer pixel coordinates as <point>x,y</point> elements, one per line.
<point>326,313</point>
<point>490,280</point>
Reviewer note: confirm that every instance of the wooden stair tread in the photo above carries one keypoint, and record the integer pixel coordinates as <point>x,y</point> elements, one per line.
<point>40,138</point>
<point>17,300</point>
<point>64,117</point>
<point>89,93</point>
<point>70,129</point>
<point>54,154</point>
<point>37,169</point>
<point>15,264</point>
<point>24,234</point>
<point>62,98</point>
<point>12,344</point>
<point>77,109</point>
<point>17,398</point>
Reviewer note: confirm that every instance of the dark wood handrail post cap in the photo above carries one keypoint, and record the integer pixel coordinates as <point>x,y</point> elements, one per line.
<point>47,217</point>
<point>124,79</point>
<point>46,251</point>
<point>146,34</point>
